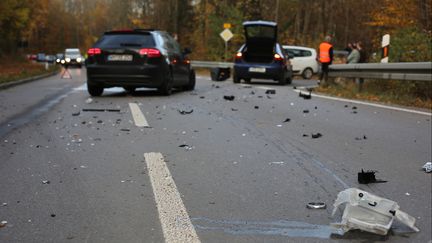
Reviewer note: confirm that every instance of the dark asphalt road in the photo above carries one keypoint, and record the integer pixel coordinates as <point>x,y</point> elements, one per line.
<point>245,176</point>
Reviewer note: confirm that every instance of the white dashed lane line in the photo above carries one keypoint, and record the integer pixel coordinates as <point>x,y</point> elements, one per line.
<point>138,116</point>
<point>173,216</point>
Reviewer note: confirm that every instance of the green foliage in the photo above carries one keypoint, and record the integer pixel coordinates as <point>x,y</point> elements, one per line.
<point>410,45</point>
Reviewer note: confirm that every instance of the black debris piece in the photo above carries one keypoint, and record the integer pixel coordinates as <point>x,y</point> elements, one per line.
<point>354,107</point>
<point>260,96</point>
<point>316,107</point>
<point>185,112</point>
<point>270,91</point>
<point>346,106</point>
<point>295,87</point>
<point>305,135</point>
<point>268,97</point>
<point>53,215</point>
<point>100,121</point>
<point>234,109</point>
<point>354,112</point>
<point>305,96</point>
<point>183,145</point>
<point>316,135</point>
<point>364,137</point>
<point>46,182</point>
<point>76,113</point>
<point>365,177</point>
<point>125,130</point>
<point>252,92</point>
<point>229,97</point>
<point>305,111</point>
<point>287,120</point>
<point>101,110</point>
<point>256,107</point>
<point>202,97</point>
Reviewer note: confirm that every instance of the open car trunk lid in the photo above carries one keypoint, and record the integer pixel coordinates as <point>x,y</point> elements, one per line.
<point>261,38</point>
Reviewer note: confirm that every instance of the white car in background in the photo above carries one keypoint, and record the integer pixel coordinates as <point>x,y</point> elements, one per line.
<point>304,61</point>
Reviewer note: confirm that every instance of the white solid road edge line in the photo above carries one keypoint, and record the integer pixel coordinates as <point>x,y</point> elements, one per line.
<point>369,104</point>
<point>175,221</point>
<point>138,116</point>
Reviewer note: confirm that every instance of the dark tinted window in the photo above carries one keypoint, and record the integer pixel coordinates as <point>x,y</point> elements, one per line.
<point>261,31</point>
<point>299,53</point>
<point>126,40</point>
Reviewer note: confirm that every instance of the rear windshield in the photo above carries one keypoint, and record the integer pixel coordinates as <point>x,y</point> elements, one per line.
<point>127,40</point>
<point>299,53</point>
<point>261,31</point>
<point>72,52</point>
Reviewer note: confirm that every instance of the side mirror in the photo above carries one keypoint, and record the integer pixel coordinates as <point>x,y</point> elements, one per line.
<point>187,51</point>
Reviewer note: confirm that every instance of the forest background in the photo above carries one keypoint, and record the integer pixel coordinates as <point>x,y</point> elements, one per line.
<point>50,26</point>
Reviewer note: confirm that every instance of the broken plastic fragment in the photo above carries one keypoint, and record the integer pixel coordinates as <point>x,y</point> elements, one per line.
<point>76,113</point>
<point>3,223</point>
<point>316,205</point>
<point>46,182</point>
<point>427,167</point>
<point>368,177</point>
<point>183,112</point>
<point>369,212</point>
<point>305,96</point>
<point>287,120</point>
<point>229,97</point>
<point>316,135</point>
<point>270,91</point>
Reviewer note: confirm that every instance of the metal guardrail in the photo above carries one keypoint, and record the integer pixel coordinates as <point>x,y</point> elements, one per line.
<point>418,71</point>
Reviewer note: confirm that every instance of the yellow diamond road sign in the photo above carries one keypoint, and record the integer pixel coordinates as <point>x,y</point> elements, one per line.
<point>226,35</point>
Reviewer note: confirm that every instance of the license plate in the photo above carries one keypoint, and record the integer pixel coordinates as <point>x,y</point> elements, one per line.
<point>120,58</point>
<point>257,70</point>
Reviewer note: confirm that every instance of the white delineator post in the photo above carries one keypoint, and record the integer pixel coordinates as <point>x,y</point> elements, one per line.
<point>385,44</point>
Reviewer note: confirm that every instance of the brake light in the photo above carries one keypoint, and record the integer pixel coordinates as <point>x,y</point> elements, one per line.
<point>150,52</point>
<point>94,51</point>
<point>278,57</point>
<point>238,55</point>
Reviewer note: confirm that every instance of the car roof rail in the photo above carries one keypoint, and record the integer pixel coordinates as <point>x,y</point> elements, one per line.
<point>145,29</point>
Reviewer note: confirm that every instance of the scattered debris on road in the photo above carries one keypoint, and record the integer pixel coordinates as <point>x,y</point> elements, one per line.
<point>316,205</point>
<point>202,97</point>
<point>3,223</point>
<point>305,135</point>
<point>184,112</point>
<point>316,135</point>
<point>234,109</point>
<point>46,182</point>
<point>186,147</point>
<point>76,113</point>
<point>277,163</point>
<point>229,97</point>
<point>4,204</point>
<point>89,100</point>
<point>287,120</point>
<point>305,111</point>
<point>369,212</point>
<point>256,107</point>
<point>305,96</point>
<point>270,91</point>
<point>53,215</point>
<point>366,177</point>
<point>427,167</point>
<point>101,110</point>
<point>125,130</point>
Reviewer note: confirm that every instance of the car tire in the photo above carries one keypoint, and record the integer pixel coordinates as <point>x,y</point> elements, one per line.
<point>247,80</point>
<point>283,78</point>
<point>192,81</point>
<point>236,79</point>
<point>167,85</point>
<point>94,90</point>
<point>307,73</point>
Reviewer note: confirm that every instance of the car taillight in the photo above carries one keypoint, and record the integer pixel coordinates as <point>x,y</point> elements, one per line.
<point>278,57</point>
<point>238,55</point>
<point>150,52</point>
<point>94,51</point>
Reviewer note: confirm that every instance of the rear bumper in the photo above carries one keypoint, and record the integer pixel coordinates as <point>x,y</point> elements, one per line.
<point>272,71</point>
<point>149,76</point>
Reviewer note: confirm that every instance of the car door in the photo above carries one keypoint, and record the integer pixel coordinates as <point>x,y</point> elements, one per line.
<point>175,58</point>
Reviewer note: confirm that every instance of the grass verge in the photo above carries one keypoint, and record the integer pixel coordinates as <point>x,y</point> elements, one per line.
<point>13,69</point>
<point>401,93</point>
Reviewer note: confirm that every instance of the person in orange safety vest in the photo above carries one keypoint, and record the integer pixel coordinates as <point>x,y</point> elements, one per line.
<point>325,57</point>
